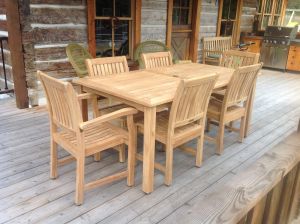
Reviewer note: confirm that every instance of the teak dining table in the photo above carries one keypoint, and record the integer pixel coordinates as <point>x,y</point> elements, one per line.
<point>146,90</point>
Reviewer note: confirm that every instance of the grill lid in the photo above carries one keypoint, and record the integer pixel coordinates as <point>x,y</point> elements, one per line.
<point>281,32</point>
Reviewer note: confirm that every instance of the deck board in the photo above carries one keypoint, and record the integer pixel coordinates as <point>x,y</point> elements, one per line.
<point>27,195</point>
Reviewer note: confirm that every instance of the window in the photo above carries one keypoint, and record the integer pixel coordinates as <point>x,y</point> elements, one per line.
<point>182,12</point>
<point>229,19</point>
<point>113,27</point>
<point>292,14</point>
<point>270,12</point>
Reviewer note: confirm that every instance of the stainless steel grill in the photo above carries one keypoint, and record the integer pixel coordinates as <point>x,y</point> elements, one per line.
<point>275,46</point>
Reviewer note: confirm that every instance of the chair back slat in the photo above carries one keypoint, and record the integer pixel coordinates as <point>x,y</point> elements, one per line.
<point>107,66</point>
<point>241,84</point>
<point>62,102</point>
<point>236,59</point>
<point>157,59</point>
<point>191,101</point>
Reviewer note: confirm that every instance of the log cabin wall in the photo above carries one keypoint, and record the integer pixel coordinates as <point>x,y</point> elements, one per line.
<point>154,20</point>
<point>47,27</point>
<point>248,13</point>
<point>3,32</point>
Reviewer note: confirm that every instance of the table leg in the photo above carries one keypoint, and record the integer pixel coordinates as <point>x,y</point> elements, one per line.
<point>149,149</point>
<point>249,112</point>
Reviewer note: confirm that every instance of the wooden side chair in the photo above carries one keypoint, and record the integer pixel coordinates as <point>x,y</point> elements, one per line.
<point>82,139</point>
<point>98,67</point>
<point>157,59</point>
<point>77,56</point>
<point>234,105</point>
<point>184,122</point>
<point>235,59</point>
<point>213,47</point>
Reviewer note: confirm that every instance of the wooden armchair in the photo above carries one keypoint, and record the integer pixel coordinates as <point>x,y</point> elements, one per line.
<point>213,47</point>
<point>184,122</point>
<point>82,139</point>
<point>77,55</point>
<point>157,59</point>
<point>235,59</point>
<point>234,105</point>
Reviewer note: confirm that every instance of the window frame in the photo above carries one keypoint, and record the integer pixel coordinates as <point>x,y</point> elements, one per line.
<point>134,34</point>
<point>261,15</point>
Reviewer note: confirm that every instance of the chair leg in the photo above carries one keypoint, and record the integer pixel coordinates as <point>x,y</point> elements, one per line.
<point>207,128</point>
<point>169,164</point>
<point>122,147</point>
<point>220,138</point>
<point>79,180</point>
<point>242,129</point>
<point>199,151</point>
<point>230,125</point>
<point>132,147</point>
<point>97,157</point>
<point>53,160</point>
<point>122,156</point>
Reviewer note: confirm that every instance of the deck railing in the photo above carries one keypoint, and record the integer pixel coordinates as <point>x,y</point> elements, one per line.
<point>266,192</point>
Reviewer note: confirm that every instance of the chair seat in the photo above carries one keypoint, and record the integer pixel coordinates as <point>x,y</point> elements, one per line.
<point>162,121</point>
<point>215,107</point>
<point>105,135</point>
<point>214,56</point>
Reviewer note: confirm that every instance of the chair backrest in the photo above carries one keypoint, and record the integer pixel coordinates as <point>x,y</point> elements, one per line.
<point>149,46</point>
<point>106,66</point>
<point>236,59</point>
<point>77,56</point>
<point>241,84</point>
<point>191,101</point>
<point>63,105</point>
<point>157,59</point>
<point>217,43</point>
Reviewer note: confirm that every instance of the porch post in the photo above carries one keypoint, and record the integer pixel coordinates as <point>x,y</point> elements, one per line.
<point>16,50</point>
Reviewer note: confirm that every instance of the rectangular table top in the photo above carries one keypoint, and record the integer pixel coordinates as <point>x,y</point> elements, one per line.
<point>142,87</point>
<point>192,70</point>
<point>152,87</point>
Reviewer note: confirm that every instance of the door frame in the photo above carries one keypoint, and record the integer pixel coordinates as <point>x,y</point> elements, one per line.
<point>136,9</point>
<point>236,34</point>
<point>196,10</point>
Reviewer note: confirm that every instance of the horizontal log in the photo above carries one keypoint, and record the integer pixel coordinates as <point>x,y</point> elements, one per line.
<point>44,54</point>
<point>58,16</point>
<point>3,25</point>
<point>66,2</point>
<point>2,11</point>
<point>55,35</point>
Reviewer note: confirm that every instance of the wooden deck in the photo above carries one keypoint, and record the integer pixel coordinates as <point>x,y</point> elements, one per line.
<point>27,195</point>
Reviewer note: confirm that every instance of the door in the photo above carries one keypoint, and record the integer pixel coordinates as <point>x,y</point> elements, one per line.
<point>181,29</point>
<point>229,19</point>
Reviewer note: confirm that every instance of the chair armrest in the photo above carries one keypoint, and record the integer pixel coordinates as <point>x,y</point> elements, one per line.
<point>108,117</point>
<point>86,96</point>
